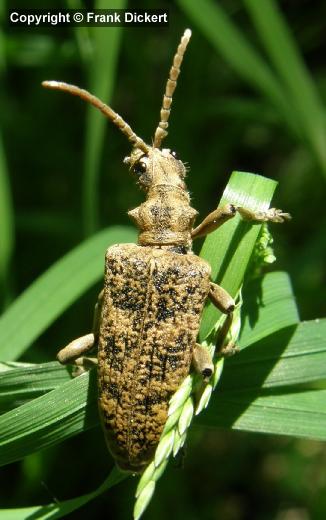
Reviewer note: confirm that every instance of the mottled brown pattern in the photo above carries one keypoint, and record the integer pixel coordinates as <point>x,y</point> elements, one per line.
<point>153,299</point>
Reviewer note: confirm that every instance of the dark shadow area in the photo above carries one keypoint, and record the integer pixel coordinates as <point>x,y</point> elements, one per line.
<point>252,301</point>
<point>251,366</point>
<point>248,370</point>
<point>91,411</point>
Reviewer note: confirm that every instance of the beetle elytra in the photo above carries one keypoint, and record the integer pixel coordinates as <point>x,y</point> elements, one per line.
<point>148,314</point>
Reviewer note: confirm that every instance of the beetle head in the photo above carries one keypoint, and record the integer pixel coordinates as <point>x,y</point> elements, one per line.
<point>156,168</point>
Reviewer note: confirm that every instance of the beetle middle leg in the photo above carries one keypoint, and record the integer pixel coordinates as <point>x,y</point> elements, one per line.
<point>74,352</point>
<point>225,303</point>
<point>202,359</point>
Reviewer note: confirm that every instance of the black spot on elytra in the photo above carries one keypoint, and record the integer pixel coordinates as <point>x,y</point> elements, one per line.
<point>149,325</point>
<point>159,280</point>
<point>181,344</point>
<point>150,400</point>
<point>112,390</point>
<point>110,346</point>
<point>168,277</point>
<point>127,298</point>
<point>163,311</point>
<point>174,361</point>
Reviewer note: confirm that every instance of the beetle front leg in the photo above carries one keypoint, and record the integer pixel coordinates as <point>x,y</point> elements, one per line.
<point>225,303</point>
<point>270,215</point>
<point>216,218</point>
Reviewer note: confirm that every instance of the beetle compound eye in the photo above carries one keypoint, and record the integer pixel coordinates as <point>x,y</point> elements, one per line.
<point>140,167</point>
<point>175,155</point>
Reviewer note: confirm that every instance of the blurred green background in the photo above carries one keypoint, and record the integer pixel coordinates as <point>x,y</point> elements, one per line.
<point>250,97</point>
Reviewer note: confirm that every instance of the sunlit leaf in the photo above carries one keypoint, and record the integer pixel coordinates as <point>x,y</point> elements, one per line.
<point>230,247</point>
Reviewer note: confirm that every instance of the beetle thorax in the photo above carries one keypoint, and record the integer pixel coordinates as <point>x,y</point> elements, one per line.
<point>166,218</point>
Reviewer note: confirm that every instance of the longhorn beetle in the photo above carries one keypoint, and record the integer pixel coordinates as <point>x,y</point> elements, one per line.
<point>147,316</point>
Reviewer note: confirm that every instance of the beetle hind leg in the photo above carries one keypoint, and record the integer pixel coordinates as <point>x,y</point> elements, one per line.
<point>74,352</point>
<point>202,362</point>
<point>224,348</point>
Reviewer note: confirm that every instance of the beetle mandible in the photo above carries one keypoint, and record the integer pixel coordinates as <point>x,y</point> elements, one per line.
<point>147,317</point>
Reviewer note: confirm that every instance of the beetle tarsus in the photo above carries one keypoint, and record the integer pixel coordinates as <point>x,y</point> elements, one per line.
<point>270,215</point>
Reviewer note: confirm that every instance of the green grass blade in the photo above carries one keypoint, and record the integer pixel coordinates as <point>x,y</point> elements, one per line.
<point>82,34</point>
<point>6,222</point>
<point>101,74</point>
<point>55,290</point>
<point>268,305</point>
<point>290,67</point>
<point>299,414</point>
<point>61,509</point>
<point>230,247</point>
<point>18,385</point>
<point>49,419</point>
<point>238,52</point>
<point>5,366</point>
<point>293,355</point>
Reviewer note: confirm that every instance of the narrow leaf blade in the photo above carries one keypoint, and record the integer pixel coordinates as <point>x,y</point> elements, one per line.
<point>297,413</point>
<point>285,56</point>
<point>21,384</point>
<point>56,416</point>
<point>61,509</point>
<point>230,247</point>
<point>55,290</point>
<point>291,356</point>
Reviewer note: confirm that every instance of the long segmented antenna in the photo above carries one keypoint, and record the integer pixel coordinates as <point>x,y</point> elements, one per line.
<point>161,130</point>
<point>107,111</point>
